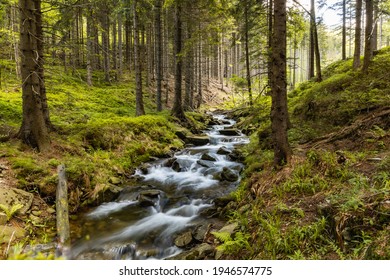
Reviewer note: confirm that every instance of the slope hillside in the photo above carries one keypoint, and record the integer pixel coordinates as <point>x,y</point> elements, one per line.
<point>333,200</point>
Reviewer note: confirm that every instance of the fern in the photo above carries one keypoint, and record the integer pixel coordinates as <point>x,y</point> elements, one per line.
<point>230,245</point>
<point>223,236</point>
<point>10,211</point>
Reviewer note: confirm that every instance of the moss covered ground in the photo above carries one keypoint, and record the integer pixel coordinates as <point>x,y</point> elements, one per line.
<point>332,201</point>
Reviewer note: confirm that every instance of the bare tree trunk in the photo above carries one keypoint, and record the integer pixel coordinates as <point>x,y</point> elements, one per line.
<point>279,113</point>
<point>312,44</point>
<point>358,34</point>
<point>120,47</point>
<point>368,36</point>
<point>247,61</point>
<point>40,60</point>
<point>33,131</point>
<point>159,53</point>
<point>89,48</point>
<point>138,67</point>
<point>344,32</point>
<point>177,109</point>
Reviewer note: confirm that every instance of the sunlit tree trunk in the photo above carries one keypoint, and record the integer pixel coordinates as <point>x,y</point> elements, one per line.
<point>139,106</point>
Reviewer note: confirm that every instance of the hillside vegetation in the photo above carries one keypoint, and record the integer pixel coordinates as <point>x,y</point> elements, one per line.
<point>333,200</point>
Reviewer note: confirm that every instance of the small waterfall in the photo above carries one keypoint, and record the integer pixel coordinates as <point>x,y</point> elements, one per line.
<point>143,222</point>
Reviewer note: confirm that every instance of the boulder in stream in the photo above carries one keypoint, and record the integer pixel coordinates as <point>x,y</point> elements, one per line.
<point>148,198</point>
<point>223,151</point>
<point>199,140</point>
<point>229,132</point>
<point>207,156</point>
<point>229,175</point>
<point>184,240</point>
<point>206,163</point>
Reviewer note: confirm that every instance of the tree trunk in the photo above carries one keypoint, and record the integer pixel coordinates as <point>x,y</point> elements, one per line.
<point>358,34</point>
<point>159,54</point>
<point>120,47</point>
<point>247,61</point>
<point>312,44</point>
<point>89,48</point>
<point>33,131</point>
<point>279,113</point>
<point>368,34</point>
<point>188,74</point>
<point>344,32</point>
<point>139,106</point>
<point>42,86</point>
<point>270,31</point>
<point>177,109</point>
<point>105,42</point>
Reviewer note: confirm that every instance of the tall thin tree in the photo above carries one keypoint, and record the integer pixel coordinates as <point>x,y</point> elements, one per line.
<point>279,113</point>
<point>139,104</point>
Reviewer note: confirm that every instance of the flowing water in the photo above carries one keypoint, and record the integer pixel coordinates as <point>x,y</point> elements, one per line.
<point>170,197</point>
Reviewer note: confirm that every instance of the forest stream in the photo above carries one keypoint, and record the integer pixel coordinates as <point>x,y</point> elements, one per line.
<point>170,196</point>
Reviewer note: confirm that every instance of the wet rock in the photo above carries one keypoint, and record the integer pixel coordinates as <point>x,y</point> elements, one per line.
<point>236,156</point>
<point>184,239</point>
<point>8,232</point>
<point>223,151</point>
<point>229,175</point>
<point>223,201</point>
<point>200,252</point>
<point>206,163</point>
<point>3,219</point>
<point>12,196</point>
<point>144,168</point>
<point>204,250</point>
<point>208,157</point>
<point>201,231</point>
<point>176,166</point>
<point>229,132</point>
<point>214,122</point>
<point>107,193</point>
<point>148,198</point>
<point>198,140</point>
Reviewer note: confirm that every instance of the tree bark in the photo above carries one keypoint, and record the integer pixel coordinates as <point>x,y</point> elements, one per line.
<point>62,210</point>
<point>33,131</point>
<point>312,44</point>
<point>247,59</point>
<point>177,109</point>
<point>159,54</point>
<point>344,32</point>
<point>368,35</point>
<point>138,67</point>
<point>358,34</point>
<point>279,113</point>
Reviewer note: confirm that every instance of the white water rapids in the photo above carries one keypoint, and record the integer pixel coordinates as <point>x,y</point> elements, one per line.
<point>127,229</point>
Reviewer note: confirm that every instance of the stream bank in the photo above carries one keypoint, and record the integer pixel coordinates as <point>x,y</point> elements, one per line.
<point>172,204</point>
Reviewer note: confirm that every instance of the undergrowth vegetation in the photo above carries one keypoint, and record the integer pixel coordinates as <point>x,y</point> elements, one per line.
<point>333,200</point>
<point>96,135</point>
